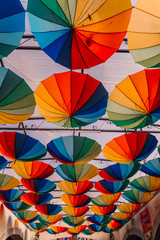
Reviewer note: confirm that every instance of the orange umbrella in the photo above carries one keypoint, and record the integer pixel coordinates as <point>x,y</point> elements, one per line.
<point>72,211</point>
<point>103,210</point>
<point>58,229</point>
<point>128,207</point>
<point>75,188</point>
<point>77,229</point>
<point>75,201</point>
<point>104,200</point>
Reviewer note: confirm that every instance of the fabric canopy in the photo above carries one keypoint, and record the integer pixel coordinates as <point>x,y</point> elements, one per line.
<point>103,210</point>
<point>10,196</point>
<point>99,219</point>
<point>75,212</point>
<point>48,209</point>
<point>36,199</point>
<point>75,188</point>
<point>109,187</point>
<point>17,206</point>
<point>135,196</point>
<point>67,100</point>
<point>146,184</point>
<point>8,182</point>
<point>49,219</point>
<point>104,200</point>
<point>74,150</point>
<point>152,167</point>
<point>79,35</point>
<point>26,216</point>
<point>128,207</point>
<point>75,201</point>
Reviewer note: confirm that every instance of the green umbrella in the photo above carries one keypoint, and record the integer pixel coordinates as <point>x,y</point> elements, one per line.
<point>17,101</point>
<point>74,221</point>
<point>146,184</point>
<point>135,196</point>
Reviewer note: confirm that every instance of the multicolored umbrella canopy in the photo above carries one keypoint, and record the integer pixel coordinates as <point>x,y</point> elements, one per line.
<point>130,147</point>
<point>17,101</point>
<point>103,210</point>
<point>12,26</point>
<point>67,99</point>
<point>104,200</point>
<point>26,216</point>
<point>36,198</point>
<point>17,206</point>
<point>8,182</point>
<point>143,33</point>
<point>32,170</point>
<point>75,188</point>
<point>96,228</point>
<point>121,216</point>
<point>134,103</point>
<point>48,209</point>
<point>39,185</point>
<point>21,147</point>
<point>49,230</point>
<point>87,232</point>
<point>108,230</point>
<point>114,225</point>
<point>38,227</point>
<point>10,196</point>
<point>77,229</point>
<point>58,229</point>
<point>146,184</point>
<point>74,221</point>
<point>74,150</point>
<point>79,35</point>
<point>108,187</point>
<point>49,219</point>
<point>135,196</point>
<point>75,201</point>
<point>75,212</point>
<point>3,163</point>
<point>118,172</point>
<point>82,172</point>
<point>99,219</point>
<point>128,207</point>
<point>152,167</point>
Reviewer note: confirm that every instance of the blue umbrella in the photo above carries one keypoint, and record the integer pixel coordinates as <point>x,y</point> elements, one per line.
<point>152,167</point>
<point>99,219</point>
<point>109,187</point>
<point>118,172</point>
<point>17,206</point>
<point>12,195</point>
<point>96,228</point>
<point>12,26</point>
<point>48,209</point>
<point>108,230</point>
<point>3,162</point>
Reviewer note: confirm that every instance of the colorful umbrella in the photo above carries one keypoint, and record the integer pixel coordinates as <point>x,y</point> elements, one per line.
<point>17,206</point>
<point>118,172</point>
<point>108,230</point>
<point>114,225</point>
<point>130,147</point>
<point>87,232</point>
<point>67,100</point>
<point>38,227</point>
<point>36,199</point>
<point>75,188</point>
<point>74,221</point>
<point>143,33</point>
<point>8,182</point>
<point>109,187</point>
<point>146,184</point>
<point>26,216</point>
<point>99,219</point>
<point>104,200</point>
<point>21,147</point>
<point>82,172</point>
<point>79,35</point>
<point>3,163</point>
<point>38,186</point>
<point>96,228</point>
<point>49,219</point>
<point>32,170</point>
<point>17,101</point>
<point>103,210</point>
<point>74,150</point>
<point>121,216</point>
<point>152,167</point>
<point>134,103</point>
<point>77,229</point>
<point>10,196</point>
<point>48,209</point>
<point>135,196</point>
<point>128,207</point>
<point>49,230</point>
<point>12,26</point>
<point>75,201</point>
<point>58,229</point>
<point>75,212</point>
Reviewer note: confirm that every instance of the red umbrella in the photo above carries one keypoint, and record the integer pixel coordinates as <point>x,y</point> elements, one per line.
<point>36,199</point>
<point>103,210</point>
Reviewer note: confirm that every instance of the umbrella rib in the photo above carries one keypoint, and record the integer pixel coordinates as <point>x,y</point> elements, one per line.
<point>146,12</point>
